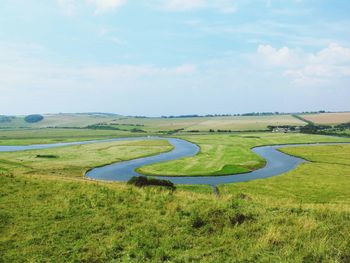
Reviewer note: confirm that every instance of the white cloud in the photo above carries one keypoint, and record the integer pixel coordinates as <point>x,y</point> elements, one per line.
<point>284,57</point>
<point>329,65</point>
<point>106,5</point>
<point>224,6</point>
<point>69,7</point>
<point>25,61</point>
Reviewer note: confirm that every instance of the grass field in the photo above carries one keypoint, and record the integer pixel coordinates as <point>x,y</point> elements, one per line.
<point>328,118</point>
<point>302,216</point>
<point>234,123</point>
<point>61,120</point>
<point>41,136</point>
<point>50,212</point>
<point>228,154</point>
<point>74,161</point>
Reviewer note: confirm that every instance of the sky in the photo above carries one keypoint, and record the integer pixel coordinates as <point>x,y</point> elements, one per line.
<point>173,57</point>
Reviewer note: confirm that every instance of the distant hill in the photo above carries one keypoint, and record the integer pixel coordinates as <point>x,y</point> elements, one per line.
<point>68,120</point>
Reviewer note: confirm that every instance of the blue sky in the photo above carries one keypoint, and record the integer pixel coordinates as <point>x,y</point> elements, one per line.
<point>174,56</point>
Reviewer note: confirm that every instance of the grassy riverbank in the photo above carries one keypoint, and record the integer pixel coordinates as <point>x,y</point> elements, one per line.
<point>49,212</point>
<point>290,218</point>
<point>42,136</point>
<point>74,161</point>
<point>229,154</point>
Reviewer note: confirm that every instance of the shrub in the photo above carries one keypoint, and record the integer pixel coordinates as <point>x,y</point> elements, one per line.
<point>197,221</point>
<point>34,118</point>
<point>50,156</point>
<point>141,181</point>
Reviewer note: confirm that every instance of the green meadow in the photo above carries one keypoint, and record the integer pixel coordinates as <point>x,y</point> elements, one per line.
<point>49,212</point>
<point>74,161</point>
<point>229,154</point>
<point>302,216</point>
<point>47,135</point>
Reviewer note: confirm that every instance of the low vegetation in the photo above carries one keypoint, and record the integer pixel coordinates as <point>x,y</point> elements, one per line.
<point>50,156</point>
<point>5,119</point>
<point>141,181</point>
<point>33,118</point>
<point>302,216</point>
<point>49,212</point>
<point>42,136</point>
<point>229,154</point>
<point>74,161</point>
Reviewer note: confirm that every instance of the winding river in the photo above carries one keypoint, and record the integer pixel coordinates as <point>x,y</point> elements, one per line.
<point>276,162</point>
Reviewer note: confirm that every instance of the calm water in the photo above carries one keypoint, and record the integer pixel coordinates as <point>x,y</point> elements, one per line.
<point>276,162</point>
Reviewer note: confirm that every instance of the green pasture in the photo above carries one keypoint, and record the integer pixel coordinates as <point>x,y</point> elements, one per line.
<point>42,136</point>
<point>229,154</point>
<point>74,161</point>
<point>302,216</point>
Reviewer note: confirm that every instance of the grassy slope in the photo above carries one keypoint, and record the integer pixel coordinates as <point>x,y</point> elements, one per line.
<point>73,161</point>
<point>290,218</point>
<point>40,136</point>
<point>157,124</point>
<point>61,120</point>
<point>228,154</point>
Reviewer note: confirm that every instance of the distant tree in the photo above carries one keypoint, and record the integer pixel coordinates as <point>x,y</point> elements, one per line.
<point>34,118</point>
<point>4,119</point>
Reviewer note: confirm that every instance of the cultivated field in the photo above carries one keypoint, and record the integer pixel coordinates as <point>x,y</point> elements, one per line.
<point>234,123</point>
<point>228,154</point>
<point>328,118</point>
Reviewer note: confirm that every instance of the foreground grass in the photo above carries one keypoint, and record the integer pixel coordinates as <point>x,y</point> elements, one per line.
<point>58,220</point>
<point>302,216</point>
<point>228,154</point>
<point>74,161</point>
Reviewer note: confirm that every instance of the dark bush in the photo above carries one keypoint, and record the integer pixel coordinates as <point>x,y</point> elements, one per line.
<point>34,118</point>
<point>49,156</point>
<point>197,221</point>
<point>239,218</point>
<point>136,130</point>
<point>141,181</point>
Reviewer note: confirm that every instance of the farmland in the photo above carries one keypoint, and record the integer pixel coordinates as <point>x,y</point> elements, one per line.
<point>328,118</point>
<point>153,125</point>
<point>234,123</point>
